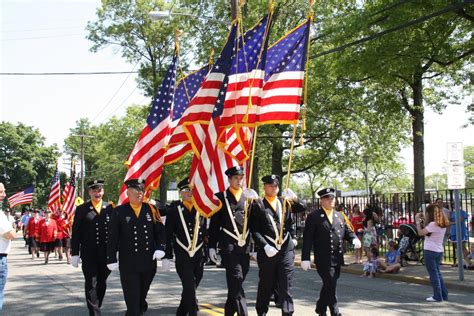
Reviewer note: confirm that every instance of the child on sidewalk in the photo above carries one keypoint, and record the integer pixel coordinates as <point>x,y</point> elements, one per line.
<point>370,266</point>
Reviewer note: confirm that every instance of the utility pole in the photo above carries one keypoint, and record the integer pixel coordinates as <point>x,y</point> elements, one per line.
<point>82,136</point>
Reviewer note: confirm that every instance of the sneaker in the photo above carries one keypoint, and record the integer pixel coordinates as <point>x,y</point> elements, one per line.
<point>431,299</point>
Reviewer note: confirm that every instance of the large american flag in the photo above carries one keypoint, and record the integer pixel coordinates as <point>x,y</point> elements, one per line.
<point>280,95</point>
<point>22,197</point>
<point>69,194</point>
<point>54,200</point>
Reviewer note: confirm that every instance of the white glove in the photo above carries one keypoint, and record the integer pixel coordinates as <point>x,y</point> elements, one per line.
<point>75,260</point>
<point>213,255</point>
<point>295,242</point>
<point>250,194</point>
<point>289,195</point>
<point>158,254</point>
<point>356,243</point>
<point>305,265</point>
<point>270,251</point>
<point>166,264</point>
<point>113,266</point>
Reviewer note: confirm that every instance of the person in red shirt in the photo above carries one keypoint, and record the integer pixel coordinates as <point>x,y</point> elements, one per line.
<point>357,219</point>
<point>32,231</point>
<point>58,243</point>
<point>48,231</point>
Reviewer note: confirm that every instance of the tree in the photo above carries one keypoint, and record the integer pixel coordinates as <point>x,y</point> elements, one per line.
<point>414,64</point>
<point>26,160</point>
<point>469,166</point>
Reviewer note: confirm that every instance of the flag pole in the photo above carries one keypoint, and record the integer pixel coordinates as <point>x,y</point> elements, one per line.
<point>303,128</point>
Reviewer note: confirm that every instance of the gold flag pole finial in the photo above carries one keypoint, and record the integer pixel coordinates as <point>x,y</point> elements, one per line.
<point>177,35</point>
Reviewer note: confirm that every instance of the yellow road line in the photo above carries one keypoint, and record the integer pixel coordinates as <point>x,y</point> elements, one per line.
<point>212,309</point>
<point>210,312</point>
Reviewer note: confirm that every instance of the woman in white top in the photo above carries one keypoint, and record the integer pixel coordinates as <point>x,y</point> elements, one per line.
<point>434,230</point>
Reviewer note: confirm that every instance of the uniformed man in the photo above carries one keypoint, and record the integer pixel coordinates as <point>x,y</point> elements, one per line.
<point>275,258</point>
<point>226,231</point>
<point>138,235</point>
<point>89,242</point>
<point>325,231</point>
<point>180,233</point>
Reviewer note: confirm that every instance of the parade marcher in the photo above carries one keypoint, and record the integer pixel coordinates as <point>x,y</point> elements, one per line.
<point>7,234</point>
<point>275,258</point>
<point>225,231</point>
<point>180,233</point>
<point>325,231</point>
<point>58,243</point>
<point>32,231</point>
<point>138,235</point>
<point>48,231</point>
<point>90,231</point>
<point>24,222</point>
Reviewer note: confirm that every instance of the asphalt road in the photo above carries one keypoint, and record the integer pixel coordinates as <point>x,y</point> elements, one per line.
<point>34,288</point>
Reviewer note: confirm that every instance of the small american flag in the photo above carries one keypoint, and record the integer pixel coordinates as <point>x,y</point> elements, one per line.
<point>69,194</point>
<point>22,197</point>
<point>54,201</point>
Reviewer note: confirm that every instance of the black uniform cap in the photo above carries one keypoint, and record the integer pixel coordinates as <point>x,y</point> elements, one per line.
<point>94,184</point>
<point>47,211</point>
<point>235,171</point>
<point>327,192</point>
<point>138,184</point>
<point>271,179</point>
<point>183,184</point>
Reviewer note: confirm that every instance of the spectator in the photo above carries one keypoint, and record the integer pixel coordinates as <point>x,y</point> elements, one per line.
<point>370,266</point>
<point>434,230</point>
<point>24,222</point>
<point>370,234</point>
<point>391,264</point>
<point>7,234</point>
<point>357,219</point>
<point>464,235</point>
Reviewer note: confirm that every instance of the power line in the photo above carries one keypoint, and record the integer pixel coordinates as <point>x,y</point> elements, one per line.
<point>39,37</point>
<point>115,94</point>
<point>394,29</point>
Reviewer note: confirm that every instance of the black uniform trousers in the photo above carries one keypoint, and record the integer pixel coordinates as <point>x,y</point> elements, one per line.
<point>275,272</point>
<point>95,276</point>
<point>236,268</point>
<point>328,296</point>
<point>190,272</point>
<point>135,286</point>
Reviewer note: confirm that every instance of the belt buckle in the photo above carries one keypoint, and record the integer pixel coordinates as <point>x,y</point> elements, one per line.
<point>241,242</point>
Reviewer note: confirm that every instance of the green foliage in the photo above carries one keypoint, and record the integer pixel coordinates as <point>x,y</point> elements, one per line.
<point>26,160</point>
<point>469,166</point>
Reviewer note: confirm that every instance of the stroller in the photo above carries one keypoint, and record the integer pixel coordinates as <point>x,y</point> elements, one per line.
<point>409,245</point>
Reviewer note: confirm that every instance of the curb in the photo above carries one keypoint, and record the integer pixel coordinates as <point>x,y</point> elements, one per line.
<point>407,278</point>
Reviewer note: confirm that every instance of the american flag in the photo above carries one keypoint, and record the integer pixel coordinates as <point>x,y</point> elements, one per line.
<point>22,197</point>
<point>151,149</point>
<point>147,157</point>
<point>208,177</point>
<point>69,194</point>
<point>185,91</point>
<point>280,95</point>
<point>54,200</point>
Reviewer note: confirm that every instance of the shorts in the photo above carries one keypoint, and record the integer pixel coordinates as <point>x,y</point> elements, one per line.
<point>47,246</point>
<point>66,242</point>
<point>32,242</point>
<point>58,243</point>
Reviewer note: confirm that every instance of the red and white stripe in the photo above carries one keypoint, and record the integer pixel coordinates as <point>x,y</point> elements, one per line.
<point>54,200</point>
<point>69,198</point>
<point>20,198</point>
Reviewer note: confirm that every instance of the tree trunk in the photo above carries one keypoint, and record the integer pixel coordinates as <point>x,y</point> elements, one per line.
<point>255,174</point>
<point>417,114</point>
<point>163,186</point>
<point>277,159</point>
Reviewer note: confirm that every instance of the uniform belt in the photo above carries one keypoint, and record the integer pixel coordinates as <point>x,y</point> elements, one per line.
<point>233,235</point>
<point>186,248</point>
<point>275,240</point>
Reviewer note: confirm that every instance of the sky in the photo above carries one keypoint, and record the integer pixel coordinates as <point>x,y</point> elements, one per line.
<point>49,36</point>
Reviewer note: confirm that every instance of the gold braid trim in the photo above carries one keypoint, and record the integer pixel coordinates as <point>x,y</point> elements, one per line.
<point>156,215</point>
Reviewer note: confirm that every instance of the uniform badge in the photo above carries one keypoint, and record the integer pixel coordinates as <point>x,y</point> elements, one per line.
<point>148,217</point>
<point>127,219</point>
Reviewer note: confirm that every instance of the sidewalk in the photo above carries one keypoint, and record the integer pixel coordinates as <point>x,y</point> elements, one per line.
<point>416,273</point>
